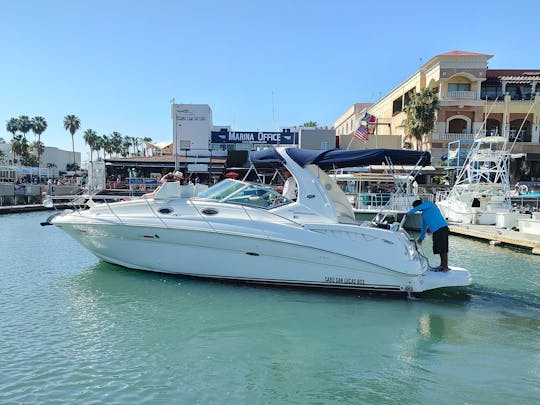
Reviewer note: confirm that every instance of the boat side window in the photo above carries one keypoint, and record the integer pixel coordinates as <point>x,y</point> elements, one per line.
<point>258,196</point>
<point>221,190</point>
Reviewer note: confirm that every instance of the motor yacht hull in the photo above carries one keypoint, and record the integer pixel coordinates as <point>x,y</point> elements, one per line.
<point>258,258</point>
<point>246,231</point>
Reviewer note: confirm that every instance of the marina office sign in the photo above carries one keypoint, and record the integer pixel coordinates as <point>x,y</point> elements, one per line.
<point>267,138</point>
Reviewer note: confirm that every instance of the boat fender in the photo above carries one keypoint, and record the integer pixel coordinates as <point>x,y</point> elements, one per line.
<point>523,189</point>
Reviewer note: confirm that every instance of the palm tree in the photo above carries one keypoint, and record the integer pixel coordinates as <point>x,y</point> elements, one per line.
<point>17,146</point>
<point>90,137</point>
<point>98,145</point>
<point>116,142</point>
<point>421,112</point>
<point>107,146</point>
<point>12,126</point>
<point>38,147</point>
<point>39,125</point>
<point>146,141</point>
<point>72,123</point>
<point>310,124</point>
<point>25,125</point>
<point>126,143</point>
<point>50,166</point>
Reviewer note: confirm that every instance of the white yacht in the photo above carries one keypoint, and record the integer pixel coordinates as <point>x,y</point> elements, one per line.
<point>482,188</point>
<point>240,230</point>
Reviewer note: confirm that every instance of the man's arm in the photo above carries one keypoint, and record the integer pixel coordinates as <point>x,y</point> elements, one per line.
<point>423,231</point>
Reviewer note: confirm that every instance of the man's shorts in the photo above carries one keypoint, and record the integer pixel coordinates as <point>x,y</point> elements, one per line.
<point>440,240</point>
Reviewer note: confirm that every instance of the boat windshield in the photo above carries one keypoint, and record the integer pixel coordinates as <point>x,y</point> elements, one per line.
<point>244,193</point>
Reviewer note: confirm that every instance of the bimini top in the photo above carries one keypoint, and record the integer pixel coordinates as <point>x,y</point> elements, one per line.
<point>337,158</point>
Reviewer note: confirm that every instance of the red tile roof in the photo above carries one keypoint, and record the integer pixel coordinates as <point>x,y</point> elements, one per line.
<point>463,53</point>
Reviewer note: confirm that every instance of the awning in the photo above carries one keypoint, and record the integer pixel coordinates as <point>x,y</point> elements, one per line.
<point>337,158</point>
<point>531,156</point>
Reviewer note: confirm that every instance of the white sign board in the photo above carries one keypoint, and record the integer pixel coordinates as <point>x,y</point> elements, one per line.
<point>192,126</point>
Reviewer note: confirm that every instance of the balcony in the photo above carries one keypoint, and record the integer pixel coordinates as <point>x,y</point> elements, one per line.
<point>467,95</point>
<point>453,98</point>
<point>449,137</point>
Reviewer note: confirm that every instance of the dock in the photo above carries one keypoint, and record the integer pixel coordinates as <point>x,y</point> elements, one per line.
<point>498,236</point>
<point>11,209</point>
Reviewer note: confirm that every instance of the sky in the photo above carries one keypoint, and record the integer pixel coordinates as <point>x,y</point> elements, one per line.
<point>117,64</point>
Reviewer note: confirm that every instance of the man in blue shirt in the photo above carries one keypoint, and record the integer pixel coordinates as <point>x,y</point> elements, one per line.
<point>433,219</point>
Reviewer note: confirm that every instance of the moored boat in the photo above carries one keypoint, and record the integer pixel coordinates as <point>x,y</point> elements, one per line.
<point>240,230</point>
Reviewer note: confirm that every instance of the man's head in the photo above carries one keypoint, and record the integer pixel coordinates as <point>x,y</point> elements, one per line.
<point>416,203</point>
<point>178,175</point>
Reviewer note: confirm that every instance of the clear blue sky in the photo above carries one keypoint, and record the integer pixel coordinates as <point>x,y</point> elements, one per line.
<point>116,64</point>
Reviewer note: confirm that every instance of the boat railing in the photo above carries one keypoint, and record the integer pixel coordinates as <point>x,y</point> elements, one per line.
<point>388,201</point>
<point>525,203</point>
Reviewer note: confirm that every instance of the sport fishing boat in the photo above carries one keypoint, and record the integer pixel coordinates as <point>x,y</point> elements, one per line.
<point>482,187</point>
<point>246,231</point>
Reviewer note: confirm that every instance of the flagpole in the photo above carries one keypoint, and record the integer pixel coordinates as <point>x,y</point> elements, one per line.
<point>376,133</point>
<point>349,145</point>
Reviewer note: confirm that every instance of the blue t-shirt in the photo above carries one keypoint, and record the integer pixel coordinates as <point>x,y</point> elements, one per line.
<point>431,217</point>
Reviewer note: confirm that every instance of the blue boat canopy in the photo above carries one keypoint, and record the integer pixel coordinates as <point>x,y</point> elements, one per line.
<point>337,158</point>
<point>269,155</point>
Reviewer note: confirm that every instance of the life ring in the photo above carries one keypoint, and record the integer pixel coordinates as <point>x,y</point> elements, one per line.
<point>523,189</point>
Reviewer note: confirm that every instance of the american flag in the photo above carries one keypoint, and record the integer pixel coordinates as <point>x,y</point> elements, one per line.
<point>362,133</point>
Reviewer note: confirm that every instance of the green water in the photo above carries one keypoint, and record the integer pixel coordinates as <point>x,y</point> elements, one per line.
<point>77,330</point>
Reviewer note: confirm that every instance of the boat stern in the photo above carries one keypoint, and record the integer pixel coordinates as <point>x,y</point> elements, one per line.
<point>455,277</point>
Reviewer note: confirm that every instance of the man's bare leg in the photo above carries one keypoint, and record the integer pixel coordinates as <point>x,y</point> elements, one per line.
<point>444,262</point>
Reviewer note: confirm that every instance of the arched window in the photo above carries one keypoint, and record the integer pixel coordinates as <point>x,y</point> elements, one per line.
<point>493,127</point>
<point>458,124</point>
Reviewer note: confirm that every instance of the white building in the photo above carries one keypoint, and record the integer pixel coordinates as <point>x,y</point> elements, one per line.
<point>53,159</point>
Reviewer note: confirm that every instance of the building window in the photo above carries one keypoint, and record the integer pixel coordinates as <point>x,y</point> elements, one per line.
<point>491,93</point>
<point>325,145</point>
<point>459,87</point>
<point>458,126</point>
<point>397,106</point>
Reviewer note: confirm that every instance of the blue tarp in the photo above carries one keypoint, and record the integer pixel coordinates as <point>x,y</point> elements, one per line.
<point>337,158</point>
<point>29,170</point>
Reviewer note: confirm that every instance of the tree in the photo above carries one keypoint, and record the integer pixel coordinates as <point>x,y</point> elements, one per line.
<point>38,147</point>
<point>19,146</point>
<point>310,124</point>
<point>116,142</point>
<point>12,126</point>
<point>29,160</point>
<point>421,112</point>
<point>126,143</point>
<point>25,125</point>
<point>50,167</point>
<point>39,125</point>
<point>107,146</point>
<point>146,141</point>
<point>90,137</point>
<point>98,145</point>
<point>72,123</point>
